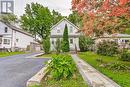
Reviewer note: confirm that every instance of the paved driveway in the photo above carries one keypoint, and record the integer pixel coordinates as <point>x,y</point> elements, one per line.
<point>16,70</point>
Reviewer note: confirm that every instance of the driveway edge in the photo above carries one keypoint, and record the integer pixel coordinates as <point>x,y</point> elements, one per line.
<point>37,78</point>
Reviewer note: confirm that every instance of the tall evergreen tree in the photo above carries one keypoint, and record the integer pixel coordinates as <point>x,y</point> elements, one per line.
<point>65,43</point>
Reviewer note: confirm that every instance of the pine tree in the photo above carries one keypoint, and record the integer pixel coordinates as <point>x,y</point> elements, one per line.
<point>65,42</point>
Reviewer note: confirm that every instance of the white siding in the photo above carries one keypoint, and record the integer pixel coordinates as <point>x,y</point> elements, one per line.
<point>61,27</point>
<point>21,40</point>
<point>58,30</point>
<point>17,39</point>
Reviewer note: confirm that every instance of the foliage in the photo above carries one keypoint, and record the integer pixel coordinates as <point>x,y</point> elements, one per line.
<point>62,66</point>
<point>98,16</point>
<point>117,66</point>
<point>58,46</point>
<point>120,77</point>
<point>73,82</point>
<point>56,17</point>
<point>107,48</point>
<point>8,18</point>
<point>124,55</point>
<point>65,42</point>
<point>46,45</point>
<point>75,19</point>
<point>85,43</point>
<point>37,20</point>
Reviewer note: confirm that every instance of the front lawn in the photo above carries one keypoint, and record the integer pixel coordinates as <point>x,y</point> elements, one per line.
<point>50,55</point>
<point>4,54</point>
<point>46,55</point>
<point>122,78</point>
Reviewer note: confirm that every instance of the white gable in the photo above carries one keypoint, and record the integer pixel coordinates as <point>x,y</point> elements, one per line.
<point>58,29</point>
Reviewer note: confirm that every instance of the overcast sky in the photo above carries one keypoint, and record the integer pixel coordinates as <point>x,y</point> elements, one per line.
<point>62,6</point>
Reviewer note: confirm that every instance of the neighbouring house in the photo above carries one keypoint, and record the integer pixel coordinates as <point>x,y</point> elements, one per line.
<point>57,32</point>
<point>123,40</point>
<point>13,38</point>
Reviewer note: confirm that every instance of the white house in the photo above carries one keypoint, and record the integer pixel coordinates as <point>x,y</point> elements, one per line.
<point>57,32</point>
<point>123,40</point>
<point>12,37</point>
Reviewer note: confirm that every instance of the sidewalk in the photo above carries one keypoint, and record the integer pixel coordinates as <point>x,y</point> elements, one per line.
<point>91,76</point>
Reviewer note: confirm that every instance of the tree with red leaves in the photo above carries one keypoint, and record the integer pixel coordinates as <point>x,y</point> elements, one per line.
<point>103,15</point>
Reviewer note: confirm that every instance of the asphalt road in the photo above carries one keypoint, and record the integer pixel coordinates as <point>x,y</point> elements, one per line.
<point>16,70</point>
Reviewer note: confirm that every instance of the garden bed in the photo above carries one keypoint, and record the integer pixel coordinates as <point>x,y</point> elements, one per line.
<point>72,82</point>
<point>65,62</point>
<point>121,77</point>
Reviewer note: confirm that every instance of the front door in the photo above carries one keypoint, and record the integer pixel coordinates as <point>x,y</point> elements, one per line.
<point>72,44</point>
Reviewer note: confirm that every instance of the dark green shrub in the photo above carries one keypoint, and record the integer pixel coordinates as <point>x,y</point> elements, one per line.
<point>46,45</point>
<point>124,55</point>
<point>107,48</point>
<point>58,46</point>
<point>117,66</point>
<point>62,67</point>
<point>85,43</point>
<point>65,41</point>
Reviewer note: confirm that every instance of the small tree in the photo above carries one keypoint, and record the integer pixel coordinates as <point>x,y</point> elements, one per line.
<point>85,43</point>
<point>58,46</point>
<point>46,45</point>
<point>65,42</point>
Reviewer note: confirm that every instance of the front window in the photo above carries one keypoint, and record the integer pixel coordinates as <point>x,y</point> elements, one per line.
<point>58,31</point>
<point>71,41</point>
<point>6,29</point>
<point>71,29</point>
<point>53,42</point>
<point>6,41</point>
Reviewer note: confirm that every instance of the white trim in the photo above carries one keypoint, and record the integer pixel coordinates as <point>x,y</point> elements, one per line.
<point>67,21</point>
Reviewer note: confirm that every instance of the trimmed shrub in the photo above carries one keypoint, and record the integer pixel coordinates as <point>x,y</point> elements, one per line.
<point>124,55</point>
<point>58,46</point>
<point>107,48</point>
<point>46,45</point>
<point>85,43</point>
<point>65,42</point>
<point>62,67</point>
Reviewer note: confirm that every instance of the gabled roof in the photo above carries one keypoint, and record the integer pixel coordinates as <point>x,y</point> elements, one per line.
<point>17,29</point>
<point>67,21</point>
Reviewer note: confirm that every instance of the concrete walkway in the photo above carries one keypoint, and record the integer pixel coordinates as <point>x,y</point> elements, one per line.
<point>91,76</point>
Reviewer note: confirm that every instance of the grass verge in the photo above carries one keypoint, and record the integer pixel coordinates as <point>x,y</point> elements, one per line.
<point>4,54</point>
<point>122,78</point>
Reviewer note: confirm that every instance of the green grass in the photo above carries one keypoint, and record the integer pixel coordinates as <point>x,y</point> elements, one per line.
<point>49,55</point>
<point>4,54</point>
<point>77,82</point>
<point>122,78</point>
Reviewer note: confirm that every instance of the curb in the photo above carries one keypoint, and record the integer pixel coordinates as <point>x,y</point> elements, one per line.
<point>33,56</point>
<point>37,78</point>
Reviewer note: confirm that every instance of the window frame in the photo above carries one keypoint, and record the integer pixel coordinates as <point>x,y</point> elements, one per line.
<point>6,30</point>
<point>71,41</point>
<point>6,41</point>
